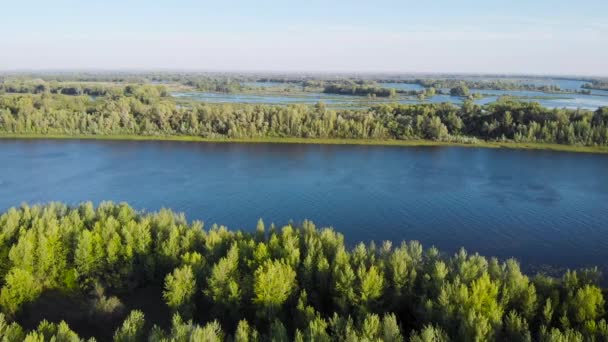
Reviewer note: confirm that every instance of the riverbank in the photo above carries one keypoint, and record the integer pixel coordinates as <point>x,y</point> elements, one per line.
<point>324,141</point>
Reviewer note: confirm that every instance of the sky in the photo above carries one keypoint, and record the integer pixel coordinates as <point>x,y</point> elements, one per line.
<point>510,37</point>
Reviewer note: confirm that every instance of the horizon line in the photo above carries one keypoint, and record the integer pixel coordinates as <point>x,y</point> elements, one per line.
<point>302,72</point>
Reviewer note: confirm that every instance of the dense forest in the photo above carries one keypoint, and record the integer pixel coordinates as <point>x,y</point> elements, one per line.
<point>111,272</point>
<point>234,82</point>
<point>492,85</point>
<point>360,90</point>
<point>150,110</point>
<point>65,88</point>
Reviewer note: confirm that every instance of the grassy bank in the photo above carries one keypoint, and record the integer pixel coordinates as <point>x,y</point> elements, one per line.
<point>327,141</point>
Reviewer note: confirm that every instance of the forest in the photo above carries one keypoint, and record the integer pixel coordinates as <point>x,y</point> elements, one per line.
<point>492,84</point>
<point>70,273</point>
<point>233,82</point>
<point>359,89</point>
<point>342,85</point>
<point>150,110</point>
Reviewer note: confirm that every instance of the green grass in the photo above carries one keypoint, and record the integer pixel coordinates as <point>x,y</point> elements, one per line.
<point>327,141</point>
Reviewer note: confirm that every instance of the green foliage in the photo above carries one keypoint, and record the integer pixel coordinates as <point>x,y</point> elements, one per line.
<point>132,329</point>
<point>20,287</point>
<point>429,334</point>
<point>516,328</point>
<point>146,110</point>
<point>245,333</point>
<point>460,90</point>
<point>351,88</point>
<point>53,332</point>
<point>223,285</point>
<point>371,284</point>
<point>180,287</point>
<point>588,304</point>
<point>187,331</point>
<point>10,331</point>
<point>556,335</point>
<point>297,283</point>
<point>274,281</point>
<point>46,331</point>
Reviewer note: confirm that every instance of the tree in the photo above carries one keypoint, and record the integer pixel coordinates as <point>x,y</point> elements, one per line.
<point>278,332</point>
<point>429,334</point>
<point>211,332</point>
<point>371,285</point>
<point>20,287</point>
<point>435,129</point>
<point>516,328</point>
<point>10,331</point>
<point>588,304</point>
<point>390,329</point>
<point>223,285</point>
<point>89,255</point>
<point>132,329</point>
<point>345,295</point>
<point>245,333</point>
<point>344,280</point>
<point>180,287</point>
<point>460,90</point>
<point>274,281</point>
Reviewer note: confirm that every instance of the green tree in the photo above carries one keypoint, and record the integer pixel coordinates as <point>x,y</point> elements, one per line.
<point>429,334</point>
<point>245,333</point>
<point>132,329</point>
<point>274,281</point>
<point>588,303</point>
<point>180,288</point>
<point>435,129</point>
<point>20,287</point>
<point>223,285</point>
<point>460,90</point>
<point>371,285</point>
<point>516,328</point>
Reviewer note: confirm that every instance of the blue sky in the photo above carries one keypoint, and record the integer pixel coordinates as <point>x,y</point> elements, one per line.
<point>533,36</point>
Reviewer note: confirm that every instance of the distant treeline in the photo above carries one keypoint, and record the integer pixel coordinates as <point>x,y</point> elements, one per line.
<point>215,85</point>
<point>147,110</point>
<point>111,88</point>
<point>113,273</point>
<point>233,82</point>
<point>65,88</point>
<point>597,84</point>
<point>359,89</point>
<point>489,85</point>
<point>365,87</point>
<point>123,77</point>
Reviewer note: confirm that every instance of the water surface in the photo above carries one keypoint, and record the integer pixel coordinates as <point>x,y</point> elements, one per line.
<point>550,100</point>
<point>541,207</point>
<point>402,86</point>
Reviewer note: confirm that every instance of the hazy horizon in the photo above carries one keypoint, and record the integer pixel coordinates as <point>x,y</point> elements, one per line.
<point>295,73</point>
<point>469,37</point>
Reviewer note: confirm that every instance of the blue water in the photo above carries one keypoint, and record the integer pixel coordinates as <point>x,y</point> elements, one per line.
<point>551,100</point>
<point>257,84</point>
<point>308,98</point>
<point>541,207</point>
<point>402,86</point>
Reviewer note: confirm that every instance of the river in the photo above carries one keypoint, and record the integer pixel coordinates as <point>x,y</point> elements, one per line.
<point>545,208</point>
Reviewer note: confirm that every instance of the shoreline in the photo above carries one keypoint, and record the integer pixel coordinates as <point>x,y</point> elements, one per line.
<point>318,141</point>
